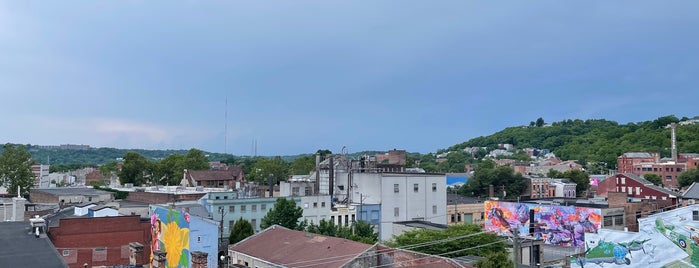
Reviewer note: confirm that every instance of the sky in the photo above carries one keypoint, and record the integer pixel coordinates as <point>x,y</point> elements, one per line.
<point>293,77</point>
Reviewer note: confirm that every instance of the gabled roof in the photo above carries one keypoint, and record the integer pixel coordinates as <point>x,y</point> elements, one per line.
<point>282,246</point>
<point>649,184</point>
<point>232,173</point>
<point>692,192</point>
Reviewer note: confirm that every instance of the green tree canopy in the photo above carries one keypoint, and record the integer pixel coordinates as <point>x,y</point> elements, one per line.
<point>654,178</point>
<point>688,177</point>
<point>241,229</point>
<point>469,239</point>
<point>265,166</point>
<point>495,260</point>
<point>284,213</point>
<point>302,165</point>
<point>359,231</point>
<point>580,178</point>
<point>196,160</point>
<point>501,177</point>
<point>16,169</point>
<point>136,169</point>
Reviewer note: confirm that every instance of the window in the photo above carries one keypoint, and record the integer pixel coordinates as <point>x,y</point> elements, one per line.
<point>619,220</point>
<point>307,191</point>
<point>679,169</point>
<point>253,222</point>
<point>353,219</point>
<point>452,217</point>
<point>254,208</point>
<point>199,239</point>
<point>322,204</point>
<point>395,188</point>
<point>608,221</point>
<point>668,178</point>
<point>346,220</point>
<point>225,197</point>
<point>332,219</point>
<point>231,208</point>
<point>66,252</point>
<point>396,212</point>
<point>695,217</point>
<point>243,208</point>
<point>434,187</point>
<point>434,209</point>
<point>623,180</point>
<point>415,187</point>
<point>263,207</point>
<point>218,197</point>
<point>295,191</point>
<point>638,190</point>
<point>315,204</point>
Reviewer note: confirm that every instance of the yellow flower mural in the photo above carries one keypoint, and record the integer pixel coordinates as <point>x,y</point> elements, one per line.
<point>171,234</point>
<point>176,242</point>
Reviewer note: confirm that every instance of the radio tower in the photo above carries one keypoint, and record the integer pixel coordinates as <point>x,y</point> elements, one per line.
<point>225,129</point>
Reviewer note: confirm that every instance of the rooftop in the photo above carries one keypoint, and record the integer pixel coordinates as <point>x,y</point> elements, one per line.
<point>637,155</point>
<point>287,247</point>
<point>460,199</point>
<point>72,191</point>
<point>20,248</point>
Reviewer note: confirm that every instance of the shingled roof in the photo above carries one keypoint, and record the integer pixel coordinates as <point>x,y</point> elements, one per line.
<point>287,247</point>
<point>232,173</point>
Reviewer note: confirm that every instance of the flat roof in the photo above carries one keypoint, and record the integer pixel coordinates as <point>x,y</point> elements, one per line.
<point>72,191</point>
<point>20,248</point>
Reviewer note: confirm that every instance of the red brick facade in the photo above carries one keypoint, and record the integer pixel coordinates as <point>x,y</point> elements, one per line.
<point>636,187</point>
<point>100,241</point>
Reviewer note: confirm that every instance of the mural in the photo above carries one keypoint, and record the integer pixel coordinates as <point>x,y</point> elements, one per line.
<point>556,225</point>
<point>667,239</point>
<point>170,233</point>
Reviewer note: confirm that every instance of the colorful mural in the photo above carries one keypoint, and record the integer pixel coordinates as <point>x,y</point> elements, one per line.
<point>170,233</point>
<point>556,225</point>
<point>667,239</point>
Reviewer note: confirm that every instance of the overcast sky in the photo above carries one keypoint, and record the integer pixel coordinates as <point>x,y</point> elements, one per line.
<point>306,75</point>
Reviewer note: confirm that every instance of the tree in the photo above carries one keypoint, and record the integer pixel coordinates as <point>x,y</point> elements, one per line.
<point>284,213</point>
<point>502,177</point>
<point>480,244</point>
<point>540,122</point>
<point>654,178</point>
<point>580,178</point>
<point>265,166</point>
<point>688,177</point>
<point>495,260</point>
<point>302,165</point>
<point>109,168</point>
<point>136,169</point>
<point>16,169</point>
<point>195,160</point>
<point>171,169</point>
<point>364,233</point>
<point>241,229</point>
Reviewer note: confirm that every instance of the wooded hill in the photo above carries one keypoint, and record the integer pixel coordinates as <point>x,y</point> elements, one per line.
<point>595,140</point>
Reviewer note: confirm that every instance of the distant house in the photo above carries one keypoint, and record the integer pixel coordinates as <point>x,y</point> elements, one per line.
<point>231,177</point>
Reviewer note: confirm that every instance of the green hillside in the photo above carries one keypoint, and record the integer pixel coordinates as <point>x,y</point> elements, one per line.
<point>594,140</point>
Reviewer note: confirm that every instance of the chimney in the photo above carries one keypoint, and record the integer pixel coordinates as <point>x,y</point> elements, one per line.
<point>159,259</point>
<point>656,157</point>
<point>270,182</point>
<point>136,253</point>
<point>18,208</point>
<point>491,191</point>
<point>316,186</point>
<point>199,259</point>
<point>674,142</point>
<point>331,181</point>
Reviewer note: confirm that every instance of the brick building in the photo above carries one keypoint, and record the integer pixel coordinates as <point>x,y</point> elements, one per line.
<point>100,241</point>
<point>636,187</point>
<point>231,177</point>
<point>667,168</point>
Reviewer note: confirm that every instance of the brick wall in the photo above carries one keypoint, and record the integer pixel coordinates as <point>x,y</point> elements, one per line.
<point>100,241</point>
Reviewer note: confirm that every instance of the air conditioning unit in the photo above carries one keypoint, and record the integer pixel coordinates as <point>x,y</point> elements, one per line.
<point>691,202</point>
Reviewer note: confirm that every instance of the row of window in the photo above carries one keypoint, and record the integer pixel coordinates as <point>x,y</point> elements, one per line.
<point>416,187</point>
<point>615,220</point>
<point>339,220</point>
<point>396,211</point>
<point>655,169</point>
<point>243,208</point>
<point>315,204</point>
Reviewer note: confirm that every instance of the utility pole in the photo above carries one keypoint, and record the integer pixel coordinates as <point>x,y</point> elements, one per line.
<point>515,245</point>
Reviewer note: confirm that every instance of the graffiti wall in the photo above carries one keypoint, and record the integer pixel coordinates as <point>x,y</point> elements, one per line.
<point>556,225</point>
<point>170,233</point>
<point>667,239</point>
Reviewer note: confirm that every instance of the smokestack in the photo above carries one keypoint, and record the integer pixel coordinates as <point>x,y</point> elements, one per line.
<point>491,191</point>
<point>316,186</point>
<point>270,181</point>
<point>674,142</point>
<point>332,180</point>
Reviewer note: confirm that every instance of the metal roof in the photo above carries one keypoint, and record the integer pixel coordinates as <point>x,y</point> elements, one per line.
<point>20,248</point>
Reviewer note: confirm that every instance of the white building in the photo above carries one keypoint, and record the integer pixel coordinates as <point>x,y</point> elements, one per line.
<point>400,197</point>
<point>564,188</point>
